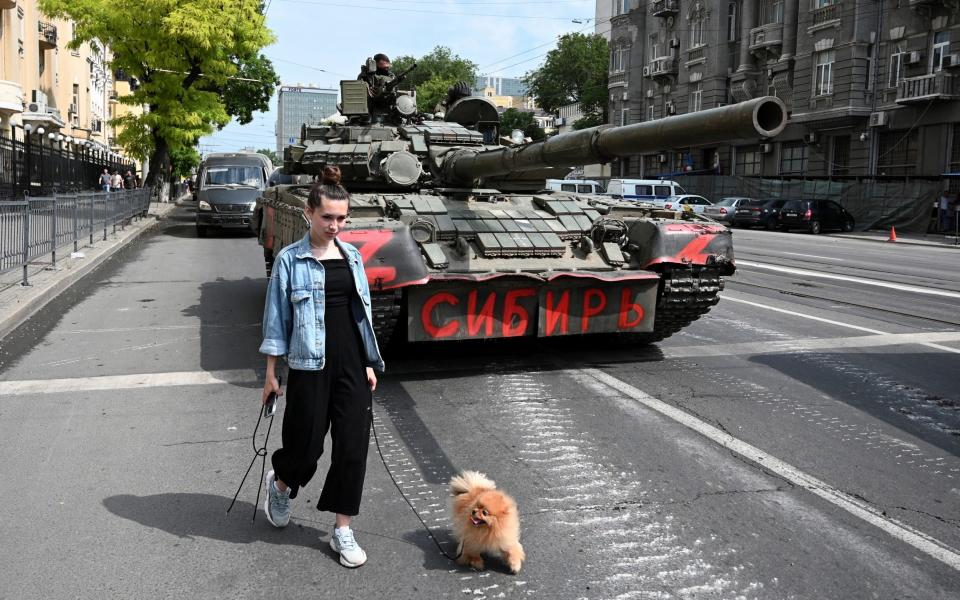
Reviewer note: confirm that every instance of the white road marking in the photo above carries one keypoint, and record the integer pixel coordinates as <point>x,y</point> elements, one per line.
<point>927,343</point>
<point>919,540</point>
<point>874,282</point>
<point>127,382</point>
<point>795,345</point>
<point>811,256</point>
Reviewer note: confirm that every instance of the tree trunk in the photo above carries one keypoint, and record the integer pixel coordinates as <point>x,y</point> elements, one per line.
<point>158,174</point>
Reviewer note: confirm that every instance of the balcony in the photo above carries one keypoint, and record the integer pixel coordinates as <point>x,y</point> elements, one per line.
<point>766,38</point>
<point>4,4</point>
<point>938,86</point>
<point>825,17</point>
<point>616,80</point>
<point>663,66</point>
<point>664,8</point>
<point>48,35</point>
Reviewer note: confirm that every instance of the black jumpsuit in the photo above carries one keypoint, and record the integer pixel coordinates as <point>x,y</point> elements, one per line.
<point>337,398</point>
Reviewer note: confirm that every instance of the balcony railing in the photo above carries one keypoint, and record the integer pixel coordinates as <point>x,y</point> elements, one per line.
<point>48,35</point>
<point>695,53</point>
<point>664,8</point>
<point>616,80</point>
<point>766,36</point>
<point>826,14</point>
<point>664,65</point>
<point>938,86</point>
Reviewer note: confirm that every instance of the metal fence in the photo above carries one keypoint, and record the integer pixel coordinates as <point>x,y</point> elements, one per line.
<point>32,164</point>
<point>35,227</point>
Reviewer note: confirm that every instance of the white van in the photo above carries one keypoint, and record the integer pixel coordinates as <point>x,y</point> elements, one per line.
<point>649,190</point>
<point>577,186</point>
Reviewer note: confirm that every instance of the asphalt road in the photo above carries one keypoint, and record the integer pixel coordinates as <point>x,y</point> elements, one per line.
<point>800,441</point>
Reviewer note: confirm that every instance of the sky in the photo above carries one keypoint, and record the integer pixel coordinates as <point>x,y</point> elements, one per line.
<point>323,42</point>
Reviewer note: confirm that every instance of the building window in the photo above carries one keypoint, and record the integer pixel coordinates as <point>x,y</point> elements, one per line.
<point>651,112</point>
<point>793,158</point>
<point>621,7</point>
<point>771,11</point>
<point>748,160</point>
<point>618,59</point>
<point>733,25</point>
<point>840,158</point>
<point>897,152</point>
<point>941,46</point>
<point>824,3</point>
<point>823,83</point>
<point>954,165</point>
<point>625,116</point>
<point>696,97</point>
<point>654,47</point>
<point>696,31</point>
<point>896,66</point>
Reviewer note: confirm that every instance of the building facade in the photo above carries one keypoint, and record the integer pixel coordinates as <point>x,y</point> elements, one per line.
<point>68,93</point>
<point>872,87</point>
<point>297,105</point>
<point>501,86</point>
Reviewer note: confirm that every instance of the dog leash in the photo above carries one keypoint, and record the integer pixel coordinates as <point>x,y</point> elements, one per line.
<point>407,500</point>
<point>257,452</point>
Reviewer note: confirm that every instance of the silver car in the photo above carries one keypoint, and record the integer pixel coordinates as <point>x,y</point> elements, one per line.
<point>724,209</point>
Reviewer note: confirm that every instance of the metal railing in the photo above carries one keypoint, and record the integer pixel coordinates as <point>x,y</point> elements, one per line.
<point>32,228</point>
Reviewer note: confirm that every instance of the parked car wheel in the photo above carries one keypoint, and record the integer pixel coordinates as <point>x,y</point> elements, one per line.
<point>201,231</point>
<point>815,227</point>
<point>848,226</point>
<point>771,224</point>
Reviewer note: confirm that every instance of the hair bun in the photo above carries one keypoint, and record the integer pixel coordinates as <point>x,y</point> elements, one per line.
<point>330,176</point>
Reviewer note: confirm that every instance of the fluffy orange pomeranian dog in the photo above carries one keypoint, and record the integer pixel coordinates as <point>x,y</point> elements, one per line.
<point>485,521</point>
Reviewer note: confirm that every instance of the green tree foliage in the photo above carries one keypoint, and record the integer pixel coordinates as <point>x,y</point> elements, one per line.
<point>184,160</point>
<point>190,59</point>
<point>435,73</point>
<point>276,160</point>
<point>517,119</point>
<point>575,71</point>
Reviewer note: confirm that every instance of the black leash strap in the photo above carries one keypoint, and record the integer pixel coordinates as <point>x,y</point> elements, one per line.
<point>404,496</point>
<point>258,452</point>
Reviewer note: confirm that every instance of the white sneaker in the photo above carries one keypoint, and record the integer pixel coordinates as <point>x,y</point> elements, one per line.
<point>277,504</point>
<point>343,543</point>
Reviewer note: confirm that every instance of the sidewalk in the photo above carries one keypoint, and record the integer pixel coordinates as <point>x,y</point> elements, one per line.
<point>918,239</point>
<point>19,303</point>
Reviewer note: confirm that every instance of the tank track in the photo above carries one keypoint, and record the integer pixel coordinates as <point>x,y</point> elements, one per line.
<point>386,307</point>
<point>686,294</point>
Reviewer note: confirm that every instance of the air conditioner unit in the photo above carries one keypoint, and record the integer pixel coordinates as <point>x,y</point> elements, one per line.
<point>952,60</point>
<point>662,158</point>
<point>646,71</point>
<point>766,148</point>
<point>878,119</point>
<point>38,102</point>
<point>649,93</point>
<point>810,138</point>
<point>674,42</point>
<point>72,109</point>
<point>913,57</point>
<point>626,96</point>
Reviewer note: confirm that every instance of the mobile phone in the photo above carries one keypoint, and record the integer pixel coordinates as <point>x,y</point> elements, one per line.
<point>270,407</point>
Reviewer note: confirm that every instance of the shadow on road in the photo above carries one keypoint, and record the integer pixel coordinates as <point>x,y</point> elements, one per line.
<point>434,561</point>
<point>204,515</point>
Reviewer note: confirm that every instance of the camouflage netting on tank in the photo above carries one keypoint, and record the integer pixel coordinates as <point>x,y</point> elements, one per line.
<point>906,205</point>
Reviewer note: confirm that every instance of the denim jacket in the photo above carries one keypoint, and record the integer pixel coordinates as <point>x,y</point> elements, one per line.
<point>293,313</point>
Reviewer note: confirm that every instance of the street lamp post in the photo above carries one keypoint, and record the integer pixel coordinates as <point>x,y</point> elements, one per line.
<point>40,132</point>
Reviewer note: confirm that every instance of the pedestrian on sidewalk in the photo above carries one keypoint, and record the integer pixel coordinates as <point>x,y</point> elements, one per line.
<point>318,316</point>
<point>116,182</point>
<point>105,180</point>
<point>129,182</point>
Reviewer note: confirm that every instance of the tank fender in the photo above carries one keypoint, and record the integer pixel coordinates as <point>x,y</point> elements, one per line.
<point>656,243</point>
<point>391,257</point>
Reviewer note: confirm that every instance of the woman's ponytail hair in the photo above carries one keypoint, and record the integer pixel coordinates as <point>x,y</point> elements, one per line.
<point>328,187</point>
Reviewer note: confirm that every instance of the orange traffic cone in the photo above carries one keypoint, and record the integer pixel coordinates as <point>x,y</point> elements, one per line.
<point>893,235</point>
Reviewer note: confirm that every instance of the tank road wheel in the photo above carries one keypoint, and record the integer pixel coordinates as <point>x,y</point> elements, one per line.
<point>815,227</point>
<point>268,260</point>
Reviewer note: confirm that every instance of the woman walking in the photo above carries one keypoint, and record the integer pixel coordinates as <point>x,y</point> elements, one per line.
<point>318,315</point>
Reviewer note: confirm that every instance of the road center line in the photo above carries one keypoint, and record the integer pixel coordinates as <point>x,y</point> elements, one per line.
<point>813,256</point>
<point>874,282</point>
<point>858,508</point>
<point>923,342</point>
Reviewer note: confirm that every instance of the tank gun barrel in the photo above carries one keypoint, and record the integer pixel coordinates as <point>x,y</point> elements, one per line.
<point>760,117</point>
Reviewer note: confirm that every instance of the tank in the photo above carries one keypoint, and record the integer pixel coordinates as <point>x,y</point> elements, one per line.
<point>461,240</point>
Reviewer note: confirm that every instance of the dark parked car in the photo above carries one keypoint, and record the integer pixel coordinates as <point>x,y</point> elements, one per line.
<point>814,216</point>
<point>757,213</point>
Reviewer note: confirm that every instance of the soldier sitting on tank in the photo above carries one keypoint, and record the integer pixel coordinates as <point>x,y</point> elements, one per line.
<point>460,89</point>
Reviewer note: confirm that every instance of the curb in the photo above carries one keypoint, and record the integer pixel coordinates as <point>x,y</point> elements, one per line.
<point>41,295</point>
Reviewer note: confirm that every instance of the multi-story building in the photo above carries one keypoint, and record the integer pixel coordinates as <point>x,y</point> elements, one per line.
<point>502,86</point>
<point>45,84</point>
<point>872,86</point>
<point>296,105</point>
